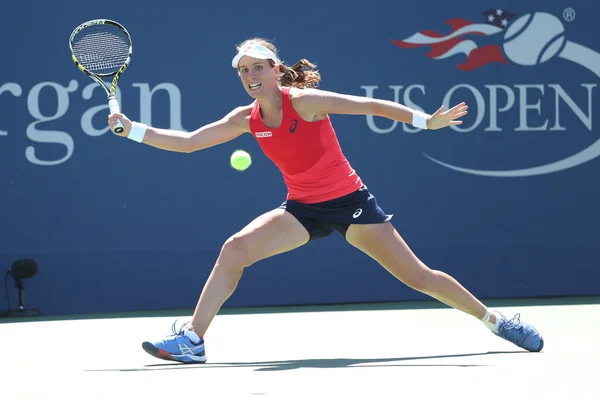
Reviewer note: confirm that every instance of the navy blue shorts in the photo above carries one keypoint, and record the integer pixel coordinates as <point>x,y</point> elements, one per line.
<point>321,219</point>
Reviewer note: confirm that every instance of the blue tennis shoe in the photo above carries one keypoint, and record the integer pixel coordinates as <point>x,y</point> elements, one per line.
<point>521,334</point>
<point>183,346</point>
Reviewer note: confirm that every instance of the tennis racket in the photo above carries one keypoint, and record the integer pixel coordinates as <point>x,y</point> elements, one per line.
<point>101,48</point>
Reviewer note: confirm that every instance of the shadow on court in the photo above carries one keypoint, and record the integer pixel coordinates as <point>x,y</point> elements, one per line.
<point>284,365</point>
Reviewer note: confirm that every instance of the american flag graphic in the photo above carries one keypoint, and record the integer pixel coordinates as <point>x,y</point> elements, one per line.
<point>462,40</point>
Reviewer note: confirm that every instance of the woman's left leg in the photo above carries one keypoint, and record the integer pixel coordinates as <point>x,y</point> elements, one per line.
<point>383,243</point>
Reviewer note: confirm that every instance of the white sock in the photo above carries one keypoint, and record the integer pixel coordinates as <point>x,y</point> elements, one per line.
<point>486,320</point>
<point>193,336</point>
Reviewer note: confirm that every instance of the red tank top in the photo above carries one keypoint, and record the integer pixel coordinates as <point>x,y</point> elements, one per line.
<point>308,155</point>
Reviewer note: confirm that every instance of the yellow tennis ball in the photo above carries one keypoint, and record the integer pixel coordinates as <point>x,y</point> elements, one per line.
<point>240,160</point>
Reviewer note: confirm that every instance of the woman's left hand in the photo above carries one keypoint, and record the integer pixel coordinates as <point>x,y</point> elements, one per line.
<point>441,119</point>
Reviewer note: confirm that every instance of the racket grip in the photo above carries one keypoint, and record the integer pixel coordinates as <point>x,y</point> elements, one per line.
<point>113,104</point>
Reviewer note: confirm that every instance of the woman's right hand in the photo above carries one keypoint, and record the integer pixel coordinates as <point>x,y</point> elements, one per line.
<point>112,122</point>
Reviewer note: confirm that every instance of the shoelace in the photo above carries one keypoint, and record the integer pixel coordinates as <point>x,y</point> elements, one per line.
<point>177,332</point>
<point>181,330</point>
<point>514,330</point>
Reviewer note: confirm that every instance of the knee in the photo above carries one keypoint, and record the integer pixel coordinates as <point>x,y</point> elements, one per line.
<point>236,253</point>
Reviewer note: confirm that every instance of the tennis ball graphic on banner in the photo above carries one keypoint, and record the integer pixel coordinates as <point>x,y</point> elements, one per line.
<point>534,38</point>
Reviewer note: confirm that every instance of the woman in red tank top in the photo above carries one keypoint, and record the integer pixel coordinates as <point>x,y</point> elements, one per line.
<point>324,193</point>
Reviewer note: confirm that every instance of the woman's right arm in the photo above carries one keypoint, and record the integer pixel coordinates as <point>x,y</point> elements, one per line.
<point>229,127</point>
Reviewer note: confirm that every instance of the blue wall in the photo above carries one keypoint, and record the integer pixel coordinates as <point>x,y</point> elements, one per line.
<point>118,226</point>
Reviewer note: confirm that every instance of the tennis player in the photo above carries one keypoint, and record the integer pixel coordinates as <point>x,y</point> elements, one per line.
<point>289,118</point>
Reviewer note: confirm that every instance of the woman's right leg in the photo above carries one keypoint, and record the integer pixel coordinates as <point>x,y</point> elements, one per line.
<point>272,233</point>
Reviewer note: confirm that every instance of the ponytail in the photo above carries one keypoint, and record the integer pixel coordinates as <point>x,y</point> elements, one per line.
<point>300,75</point>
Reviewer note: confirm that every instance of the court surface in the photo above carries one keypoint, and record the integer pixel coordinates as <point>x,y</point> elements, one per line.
<point>385,351</point>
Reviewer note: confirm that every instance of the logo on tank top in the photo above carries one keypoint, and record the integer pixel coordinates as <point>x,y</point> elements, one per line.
<point>263,134</point>
<point>293,126</point>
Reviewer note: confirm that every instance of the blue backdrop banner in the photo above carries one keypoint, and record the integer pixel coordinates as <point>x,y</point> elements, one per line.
<point>507,202</point>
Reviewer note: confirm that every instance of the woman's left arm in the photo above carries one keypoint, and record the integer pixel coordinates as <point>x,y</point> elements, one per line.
<point>320,102</point>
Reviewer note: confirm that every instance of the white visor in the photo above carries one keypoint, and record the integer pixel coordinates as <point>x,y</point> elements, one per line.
<point>254,50</point>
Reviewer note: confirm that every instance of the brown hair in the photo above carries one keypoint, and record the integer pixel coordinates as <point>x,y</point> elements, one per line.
<point>300,75</point>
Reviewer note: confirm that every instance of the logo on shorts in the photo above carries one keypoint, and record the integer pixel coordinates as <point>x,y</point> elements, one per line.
<point>294,126</point>
<point>357,213</point>
<point>264,134</point>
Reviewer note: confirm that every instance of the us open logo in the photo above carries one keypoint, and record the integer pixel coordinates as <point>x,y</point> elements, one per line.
<point>528,40</point>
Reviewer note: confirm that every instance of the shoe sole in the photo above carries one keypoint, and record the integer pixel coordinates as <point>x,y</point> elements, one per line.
<point>163,355</point>
<point>541,346</point>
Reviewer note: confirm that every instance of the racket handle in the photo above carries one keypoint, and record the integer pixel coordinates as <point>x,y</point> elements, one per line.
<point>113,104</point>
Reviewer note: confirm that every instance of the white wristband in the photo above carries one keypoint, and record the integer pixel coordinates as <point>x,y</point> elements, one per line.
<point>137,132</point>
<point>420,119</point>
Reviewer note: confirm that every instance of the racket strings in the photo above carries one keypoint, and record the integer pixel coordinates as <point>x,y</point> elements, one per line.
<point>101,49</point>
